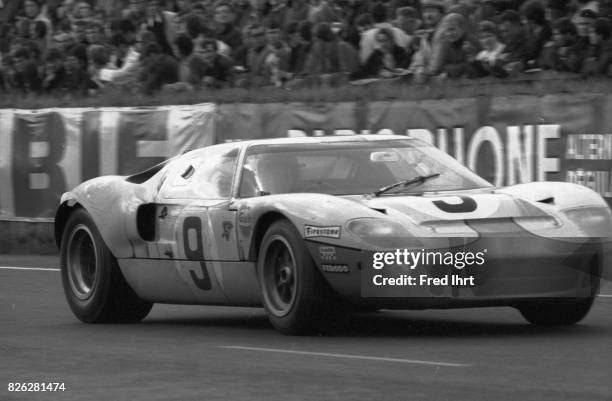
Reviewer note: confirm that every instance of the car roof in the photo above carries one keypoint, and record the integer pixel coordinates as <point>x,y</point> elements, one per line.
<point>323,139</point>
<point>299,140</point>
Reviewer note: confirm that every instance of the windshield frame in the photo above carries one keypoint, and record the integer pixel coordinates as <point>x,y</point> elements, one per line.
<point>259,148</point>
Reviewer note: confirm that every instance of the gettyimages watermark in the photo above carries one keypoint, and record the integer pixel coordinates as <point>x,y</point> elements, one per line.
<point>500,267</point>
<point>415,259</point>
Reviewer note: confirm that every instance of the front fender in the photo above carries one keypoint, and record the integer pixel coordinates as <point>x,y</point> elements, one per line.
<point>302,210</point>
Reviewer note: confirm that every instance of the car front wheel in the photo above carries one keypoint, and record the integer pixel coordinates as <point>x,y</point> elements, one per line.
<point>295,296</point>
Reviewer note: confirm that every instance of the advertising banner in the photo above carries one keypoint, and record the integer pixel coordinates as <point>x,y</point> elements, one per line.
<point>506,140</point>
<point>47,152</point>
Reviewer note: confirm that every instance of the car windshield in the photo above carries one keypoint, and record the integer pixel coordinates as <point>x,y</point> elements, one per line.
<point>346,168</point>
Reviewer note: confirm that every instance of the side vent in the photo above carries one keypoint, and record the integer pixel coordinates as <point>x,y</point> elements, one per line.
<point>383,211</point>
<point>145,221</point>
<point>548,201</point>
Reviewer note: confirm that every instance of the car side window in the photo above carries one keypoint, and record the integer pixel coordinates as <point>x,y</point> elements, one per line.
<point>214,174</point>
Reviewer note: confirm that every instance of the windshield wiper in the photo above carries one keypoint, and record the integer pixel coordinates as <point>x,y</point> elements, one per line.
<point>404,183</point>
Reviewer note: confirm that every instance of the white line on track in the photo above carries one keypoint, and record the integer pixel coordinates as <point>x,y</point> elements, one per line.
<point>347,356</point>
<point>29,268</point>
<point>605,295</point>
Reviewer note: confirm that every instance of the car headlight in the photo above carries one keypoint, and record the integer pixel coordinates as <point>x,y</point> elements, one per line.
<point>595,221</point>
<point>381,233</point>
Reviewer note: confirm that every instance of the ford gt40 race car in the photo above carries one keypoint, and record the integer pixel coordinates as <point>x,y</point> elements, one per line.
<point>313,227</point>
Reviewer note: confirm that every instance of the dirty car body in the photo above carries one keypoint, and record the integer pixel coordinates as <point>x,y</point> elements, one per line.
<point>192,230</point>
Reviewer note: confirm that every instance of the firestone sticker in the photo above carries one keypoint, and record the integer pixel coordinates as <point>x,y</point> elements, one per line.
<point>329,232</point>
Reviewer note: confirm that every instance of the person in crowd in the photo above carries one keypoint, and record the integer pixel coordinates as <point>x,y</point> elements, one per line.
<point>407,19</point>
<point>77,79</point>
<point>160,24</point>
<point>538,32</point>
<point>599,60</point>
<point>23,75</point>
<point>449,56</point>
<point>211,69</point>
<point>584,21</point>
<point>565,52</point>
<point>422,44</point>
<point>388,60</point>
<point>98,58</point>
<point>183,51</point>
<point>297,10</point>
<point>158,69</point>
<point>277,14</point>
<point>130,66</point>
<point>34,12</point>
<point>276,61</point>
<point>368,38</point>
<point>300,41</point>
<point>331,59</point>
<point>489,61</point>
<point>514,39</point>
<point>225,28</point>
<point>54,72</point>
<point>321,11</point>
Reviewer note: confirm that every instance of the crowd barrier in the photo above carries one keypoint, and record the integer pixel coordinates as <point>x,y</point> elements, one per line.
<point>507,140</point>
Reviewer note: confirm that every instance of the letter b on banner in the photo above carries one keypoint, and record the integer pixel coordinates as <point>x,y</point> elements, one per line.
<point>38,147</point>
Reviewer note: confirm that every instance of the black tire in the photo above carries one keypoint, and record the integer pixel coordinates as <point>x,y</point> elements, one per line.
<point>558,312</point>
<point>94,286</point>
<point>297,299</point>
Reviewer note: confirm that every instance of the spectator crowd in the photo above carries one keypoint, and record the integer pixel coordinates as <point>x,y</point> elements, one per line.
<point>86,46</point>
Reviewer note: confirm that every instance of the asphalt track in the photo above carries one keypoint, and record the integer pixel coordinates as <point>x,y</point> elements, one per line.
<point>213,353</point>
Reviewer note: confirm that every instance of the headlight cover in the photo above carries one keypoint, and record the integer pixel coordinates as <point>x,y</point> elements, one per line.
<point>594,221</point>
<point>381,233</point>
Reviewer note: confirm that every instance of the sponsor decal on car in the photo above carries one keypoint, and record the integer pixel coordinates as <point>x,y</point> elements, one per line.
<point>328,253</point>
<point>227,228</point>
<point>315,231</point>
<point>335,268</point>
<point>244,216</point>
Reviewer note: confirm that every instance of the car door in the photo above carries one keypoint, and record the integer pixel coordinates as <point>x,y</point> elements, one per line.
<point>195,227</point>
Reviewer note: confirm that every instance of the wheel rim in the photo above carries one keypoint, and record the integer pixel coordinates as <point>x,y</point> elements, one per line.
<point>280,276</point>
<point>82,262</point>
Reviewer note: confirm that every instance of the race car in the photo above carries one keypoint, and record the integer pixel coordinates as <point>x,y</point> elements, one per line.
<point>312,228</point>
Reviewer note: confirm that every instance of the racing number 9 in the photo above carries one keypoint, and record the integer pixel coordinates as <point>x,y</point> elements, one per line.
<point>467,205</point>
<point>193,223</point>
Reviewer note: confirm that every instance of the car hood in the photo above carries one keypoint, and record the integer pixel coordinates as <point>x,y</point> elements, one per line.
<point>453,207</point>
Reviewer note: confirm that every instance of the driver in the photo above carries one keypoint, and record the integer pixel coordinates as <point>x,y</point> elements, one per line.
<point>278,173</point>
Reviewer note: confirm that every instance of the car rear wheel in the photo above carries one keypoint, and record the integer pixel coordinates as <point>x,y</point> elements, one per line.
<point>94,286</point>
<point>295,296</point>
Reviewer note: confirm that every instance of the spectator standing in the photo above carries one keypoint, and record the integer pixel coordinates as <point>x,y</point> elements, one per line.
<point>422,45</point>
<point>449,56</point>
<point>300,40</point>
<point>130,66</point>
<point>54,71</point>
<point>321,11</point>
<point>538,32</point>
<point>368,39</point>
<point>225,28</point>
<point>211,69</point>
<point>183,50</point>
<point>565,52</point>
<point>297,11</point>
<point>599,61</point>
<point>158,69</point>
<point>489,61</point>
<point>23,75</point>
<point>330,58</point>
<point>388,60</point>
<point>514,38</point>
<point>160,24</point>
